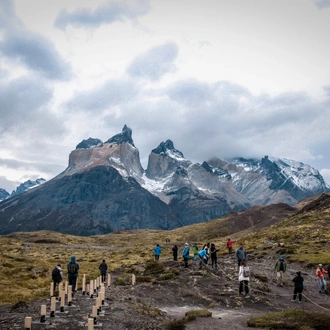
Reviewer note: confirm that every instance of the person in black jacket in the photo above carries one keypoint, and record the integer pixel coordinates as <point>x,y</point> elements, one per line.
<point>103,269</point>
<point>298,287</point>
<point>175,252</point>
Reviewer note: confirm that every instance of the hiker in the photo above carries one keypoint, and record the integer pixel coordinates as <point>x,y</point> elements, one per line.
<point>195,251</point>
<point>320,271</point>
<point>230,245</point>
<point>280,268</point>
<point>103,269</point>
<point>175,252</point>
<point>57,275</point>
<point>206,247</point>
<point>213,253</point>
<point>202,254</point>
<point>186,255</point>
<point>157,251</point>
<point>298,287</point>
<point>243,277</point>
<point>73,268</point>
<point>240,254</point>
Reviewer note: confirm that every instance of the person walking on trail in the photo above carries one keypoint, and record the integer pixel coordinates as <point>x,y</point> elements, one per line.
<point>214,258</point>
<point>195,251</point>
<point>157,252</point>
<point>243,277</point>
<point>240,254</point>
<point>202,255</point>
<point>186,255</point>
<point>103,269</point>
<point>206,247</point>
<point>298,287</point>
<point>57,275</point>
<point>230,243</point>
<point>320,271</point>
<point>175,252</point>
<point>73,268</point>
<point>280,268</point>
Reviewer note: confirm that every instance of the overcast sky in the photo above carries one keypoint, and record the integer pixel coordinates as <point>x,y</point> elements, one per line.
<point>220,78</point>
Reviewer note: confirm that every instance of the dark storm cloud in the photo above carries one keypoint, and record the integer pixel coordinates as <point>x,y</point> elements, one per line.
<point>154,63</point>
<point>322,3</point>
<point>107,14</point>
<point>35,53</point>
<point>111,93</point>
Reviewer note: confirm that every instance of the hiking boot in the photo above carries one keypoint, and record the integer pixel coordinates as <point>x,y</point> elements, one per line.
<point>293,300</point>
<point>320,291</point>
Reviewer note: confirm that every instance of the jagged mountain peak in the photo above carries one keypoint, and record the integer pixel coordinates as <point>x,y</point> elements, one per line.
<point>89,143</point>
<point>167,148</point>
<point>27,185</point>
<point>124,136</point>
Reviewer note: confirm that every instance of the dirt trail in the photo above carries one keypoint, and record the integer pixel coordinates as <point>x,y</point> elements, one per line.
<point>147,305</point>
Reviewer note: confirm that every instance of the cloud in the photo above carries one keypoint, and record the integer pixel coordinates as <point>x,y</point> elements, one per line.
<point>322,3</point>
<point>7,15</point>
<point>115,11</point>
<point>154,63</point>
<point>36,53</point>
<point>111,93</point>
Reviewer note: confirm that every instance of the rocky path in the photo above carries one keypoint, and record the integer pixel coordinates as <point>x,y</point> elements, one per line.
<point>151,304</point>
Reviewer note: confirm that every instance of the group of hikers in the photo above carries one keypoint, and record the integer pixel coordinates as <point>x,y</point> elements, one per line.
<point>280,267</point>
<point>72,270</point>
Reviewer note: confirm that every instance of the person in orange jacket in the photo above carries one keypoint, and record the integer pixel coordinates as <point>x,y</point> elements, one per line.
<point>320,271</point>
<point>230,245</point>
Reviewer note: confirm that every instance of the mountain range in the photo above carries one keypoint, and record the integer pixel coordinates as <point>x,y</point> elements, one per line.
<point>105,189</point>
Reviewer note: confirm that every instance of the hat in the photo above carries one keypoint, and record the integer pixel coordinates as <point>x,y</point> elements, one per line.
<point>281,256</point>
<point>320,265</point>
<point>186,244</point>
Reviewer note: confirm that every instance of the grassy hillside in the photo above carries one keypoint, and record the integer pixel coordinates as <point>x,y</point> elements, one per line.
<point>26,259</point>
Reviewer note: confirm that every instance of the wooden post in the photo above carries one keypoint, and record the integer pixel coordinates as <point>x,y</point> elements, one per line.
<point>102,295</point>
<point>84,284</point>
<point>43,314</point>
<point>97,282</point>
<point>60,288</point>
<point>66,287</point>
<point>28,322</point>
<point>133,279</point>
<point>94,313</point>
<point>69,295</point>
<point>62,300</point>
<point>52,306</point>
<point>109,279</point>
<point>91,290</point>
<point>95,286</point>
<point>90,324</point>
<point>87,289</point>
<point>51,289</point>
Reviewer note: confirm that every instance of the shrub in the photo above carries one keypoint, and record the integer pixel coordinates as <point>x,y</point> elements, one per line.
<point>175,325</point>
<point>154,267</point>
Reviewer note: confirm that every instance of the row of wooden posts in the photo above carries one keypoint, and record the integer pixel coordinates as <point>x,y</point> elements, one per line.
<point>94,287</point>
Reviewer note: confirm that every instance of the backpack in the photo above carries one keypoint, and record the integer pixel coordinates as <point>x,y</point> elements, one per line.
<point>72,268</point>
<point>56,274</point>
<point>246,271</point>
<point>281,265</point>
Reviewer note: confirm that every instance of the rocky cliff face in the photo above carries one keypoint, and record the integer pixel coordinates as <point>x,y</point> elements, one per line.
<point>105,189</point>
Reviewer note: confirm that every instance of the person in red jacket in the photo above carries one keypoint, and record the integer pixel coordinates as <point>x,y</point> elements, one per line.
<point>320,271</point>
<point>230,245</point>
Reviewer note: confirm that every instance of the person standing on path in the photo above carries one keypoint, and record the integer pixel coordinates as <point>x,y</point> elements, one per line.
<point>175,252</point>
<point>230,245</point>
<point>320,271</point>
<point>103,269</point>
<point>186,255</point>
<point>202,255</point>
<point>244,278</point>
<point>298,287</point>
<point>240,254</point>
<point>73,268</point>
<point>214,258</point>
<point>157,252</point>
<point>57,275</point>
<point>280,268</point>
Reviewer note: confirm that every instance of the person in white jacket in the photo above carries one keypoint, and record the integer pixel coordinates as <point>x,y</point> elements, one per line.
<point>243,277</point>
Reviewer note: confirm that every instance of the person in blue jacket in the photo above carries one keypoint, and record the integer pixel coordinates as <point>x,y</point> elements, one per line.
<point>203,256</point>
<point>186,255</point>
<point>157,251</point>
<point>73,268</point>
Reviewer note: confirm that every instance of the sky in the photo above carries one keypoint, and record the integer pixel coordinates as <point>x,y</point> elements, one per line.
<point>220,78</point>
